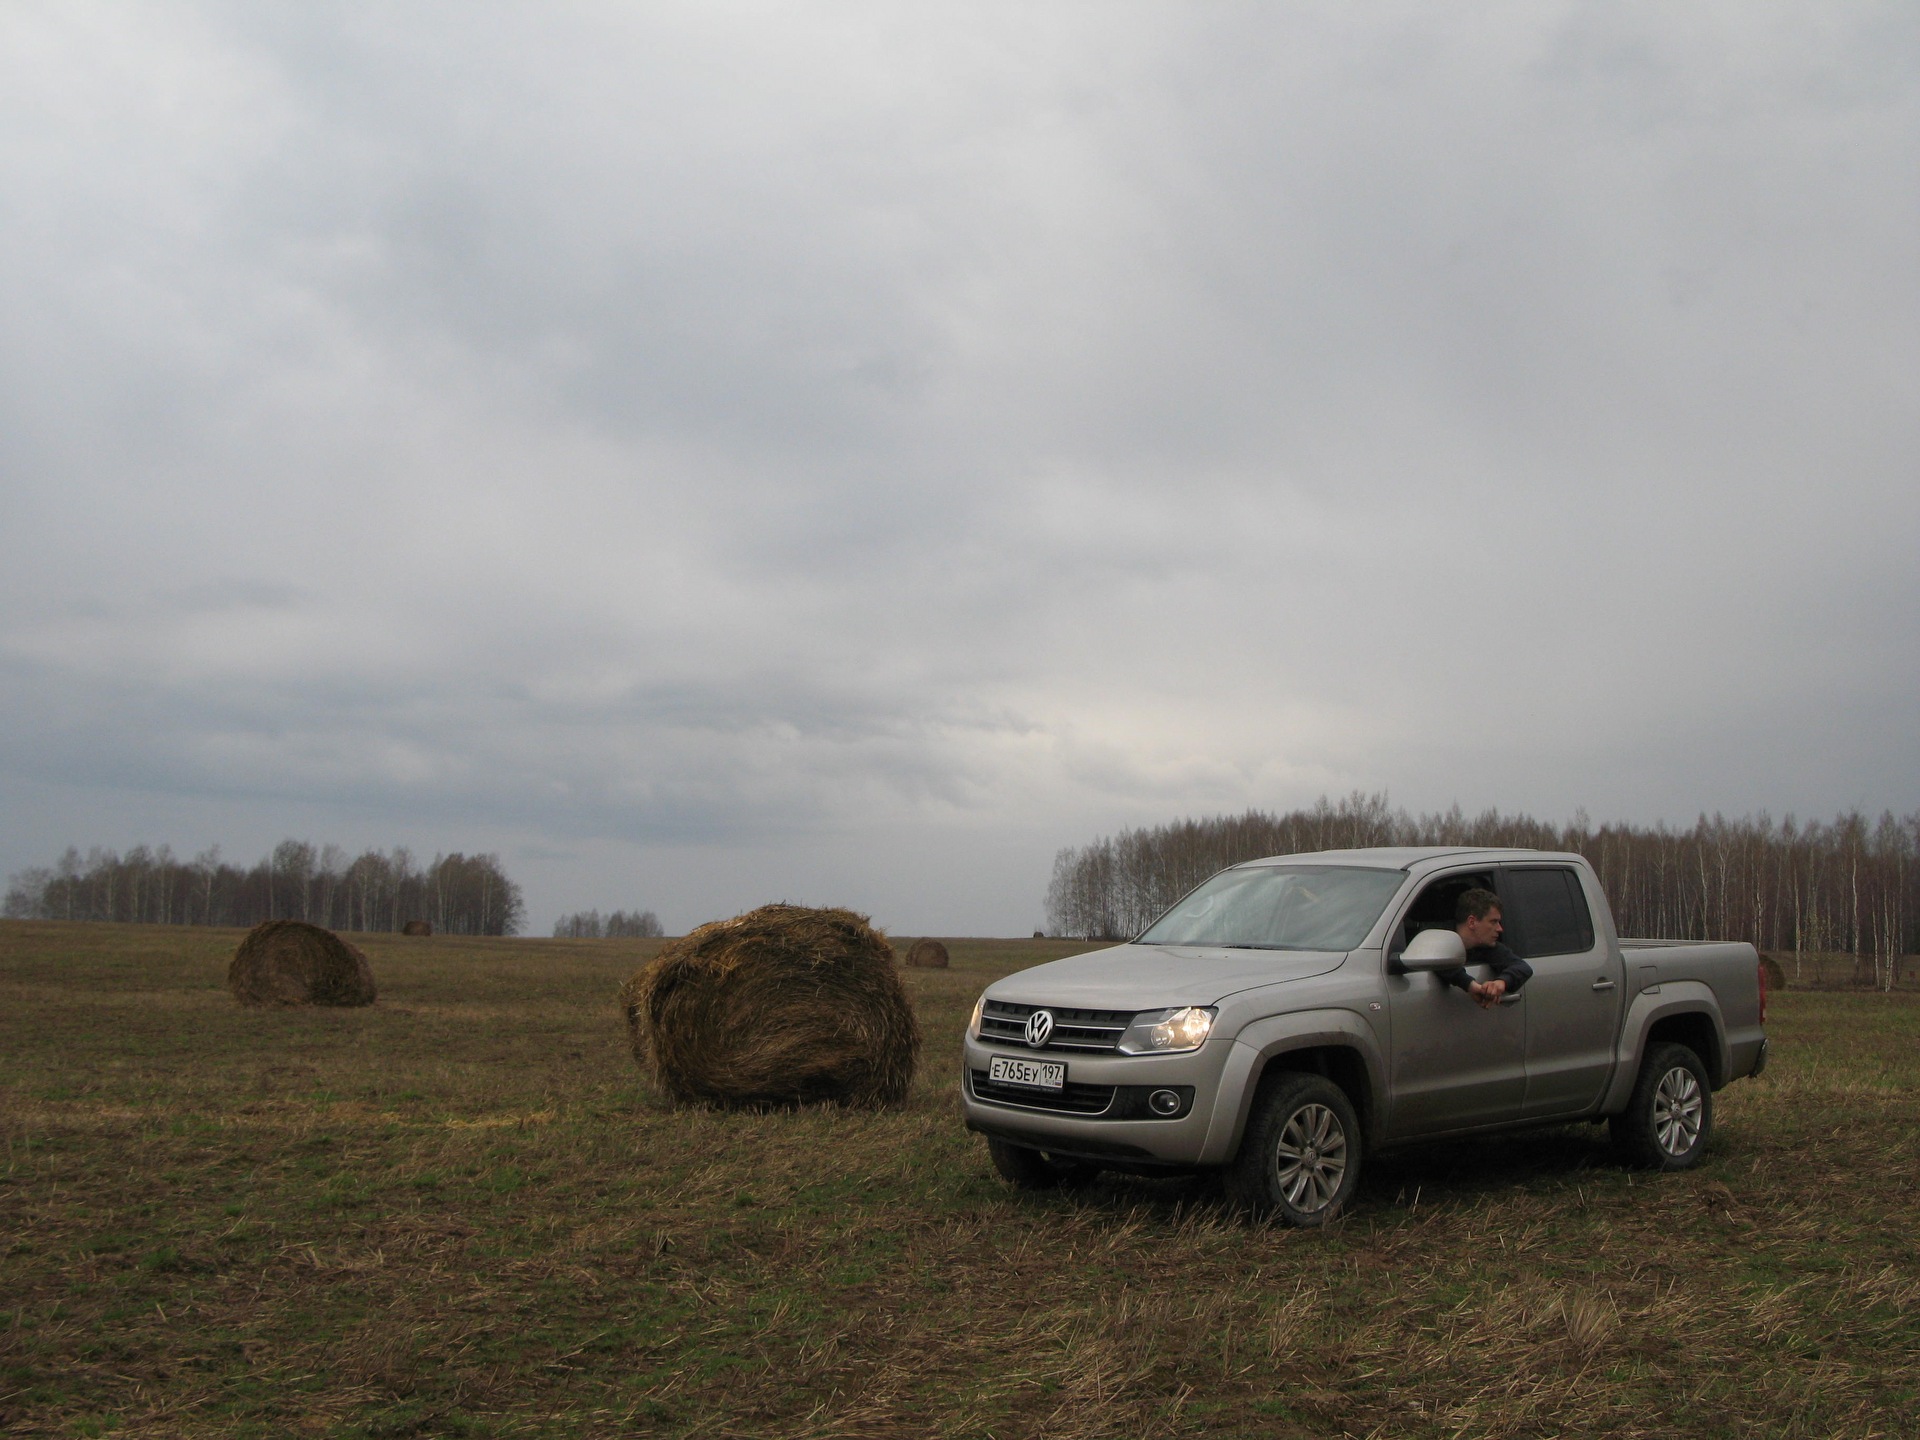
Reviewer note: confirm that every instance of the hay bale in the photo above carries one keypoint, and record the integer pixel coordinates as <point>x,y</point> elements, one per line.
<point>928,955</point>
<point>779,1006</point>
<point>417,927</point>
<point>288,962</point>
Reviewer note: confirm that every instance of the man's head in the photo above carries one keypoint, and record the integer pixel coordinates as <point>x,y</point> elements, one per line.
<point>1476,915</point>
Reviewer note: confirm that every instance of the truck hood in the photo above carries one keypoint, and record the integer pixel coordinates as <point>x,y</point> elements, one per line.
<point>1154,977</point>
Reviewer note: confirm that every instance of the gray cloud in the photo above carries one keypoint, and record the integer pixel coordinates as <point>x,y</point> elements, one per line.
<point>720,449</point>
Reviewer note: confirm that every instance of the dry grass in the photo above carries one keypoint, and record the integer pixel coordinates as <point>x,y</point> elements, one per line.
<point>458,1213</point>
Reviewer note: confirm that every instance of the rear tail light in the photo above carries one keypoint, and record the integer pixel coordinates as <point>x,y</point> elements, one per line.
<point>1763,992</point>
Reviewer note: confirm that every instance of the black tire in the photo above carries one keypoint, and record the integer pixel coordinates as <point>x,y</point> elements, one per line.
<point>1035,1170</point>
<point>1669,1118</point>
<point>1300,1158</point>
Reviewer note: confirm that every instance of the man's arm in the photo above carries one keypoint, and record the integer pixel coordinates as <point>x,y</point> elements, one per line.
<point>1510,972</point>
<point>1507,966</point>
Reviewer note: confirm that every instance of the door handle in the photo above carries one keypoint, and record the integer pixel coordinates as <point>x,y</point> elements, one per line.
<point>1510,999</point>
<point>1603,984</point>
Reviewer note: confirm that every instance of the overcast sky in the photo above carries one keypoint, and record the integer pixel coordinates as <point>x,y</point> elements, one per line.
<point>719,453</point>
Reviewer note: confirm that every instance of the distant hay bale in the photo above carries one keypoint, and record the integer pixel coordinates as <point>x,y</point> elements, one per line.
<point>780,1006</point>
<point>417,927</point>
<point>928,955</point>
<point>288,962</point>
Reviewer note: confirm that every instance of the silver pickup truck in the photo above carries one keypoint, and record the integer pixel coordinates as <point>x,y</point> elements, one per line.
<point>1288,1017</point>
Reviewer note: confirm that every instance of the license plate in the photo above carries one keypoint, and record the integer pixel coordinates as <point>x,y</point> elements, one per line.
<point>1034,1074</point>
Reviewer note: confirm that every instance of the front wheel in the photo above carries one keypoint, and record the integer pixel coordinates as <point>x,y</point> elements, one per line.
<point>1669,1118</point>
<point>1300,1159</point>
<point>1034,1170</point>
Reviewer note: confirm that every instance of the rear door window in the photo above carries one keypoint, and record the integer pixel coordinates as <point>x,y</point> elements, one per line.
<point>1546,913</point>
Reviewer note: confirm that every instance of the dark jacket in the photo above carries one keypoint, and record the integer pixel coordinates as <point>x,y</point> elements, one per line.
<point>1506,965</point>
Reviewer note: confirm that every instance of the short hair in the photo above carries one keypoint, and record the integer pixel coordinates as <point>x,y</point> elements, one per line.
<point>1474,904</point>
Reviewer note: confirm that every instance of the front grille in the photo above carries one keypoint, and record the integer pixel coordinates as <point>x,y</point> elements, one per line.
<point>1076,1099</point>
<point>1003,1022</point>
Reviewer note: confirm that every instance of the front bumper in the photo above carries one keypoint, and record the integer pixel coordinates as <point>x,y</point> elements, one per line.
<point>1122,1128</point>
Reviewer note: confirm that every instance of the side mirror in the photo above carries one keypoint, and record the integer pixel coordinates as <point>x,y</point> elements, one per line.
<point>1432,950</point>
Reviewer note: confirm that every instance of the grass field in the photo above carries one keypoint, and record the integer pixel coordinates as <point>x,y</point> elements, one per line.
<point>460,1213</point>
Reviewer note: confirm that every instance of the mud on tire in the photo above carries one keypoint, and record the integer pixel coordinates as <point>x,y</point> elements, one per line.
<point>1300,1158</point>
<point>1669,1117</point>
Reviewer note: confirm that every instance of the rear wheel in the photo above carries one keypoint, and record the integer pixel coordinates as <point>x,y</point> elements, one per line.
<point>1669,1117</point>
<point>1300,1159</point>
<point>1035,1169</point>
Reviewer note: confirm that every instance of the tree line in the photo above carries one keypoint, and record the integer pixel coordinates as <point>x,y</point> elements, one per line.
<point>1847,886</point>
<point>620,925</point>
<point>457,894</point>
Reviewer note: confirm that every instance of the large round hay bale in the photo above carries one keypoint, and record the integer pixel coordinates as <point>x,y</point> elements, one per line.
<point>288,962</point>
<point>780,1006</point>
<point>928,955</point>
<point>417,927</point>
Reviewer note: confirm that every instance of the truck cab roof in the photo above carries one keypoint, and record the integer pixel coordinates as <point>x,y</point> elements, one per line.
<point>1407,857</point>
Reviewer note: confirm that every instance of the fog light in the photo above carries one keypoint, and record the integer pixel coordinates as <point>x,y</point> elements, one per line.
<point>1164,1102</point>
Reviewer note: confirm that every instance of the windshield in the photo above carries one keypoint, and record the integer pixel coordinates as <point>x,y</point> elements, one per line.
<point>1279,907</point>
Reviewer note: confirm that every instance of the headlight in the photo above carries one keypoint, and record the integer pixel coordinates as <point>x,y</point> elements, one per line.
<point>1155,1032</point>
<point>973,1024</point>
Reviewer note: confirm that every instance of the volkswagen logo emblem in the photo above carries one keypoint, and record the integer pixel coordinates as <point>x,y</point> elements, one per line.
<point>1039,1027</point>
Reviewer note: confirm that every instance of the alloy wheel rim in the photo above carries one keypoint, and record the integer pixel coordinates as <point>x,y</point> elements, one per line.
<point>1310,1160</point>
<point>1677,1108</point>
